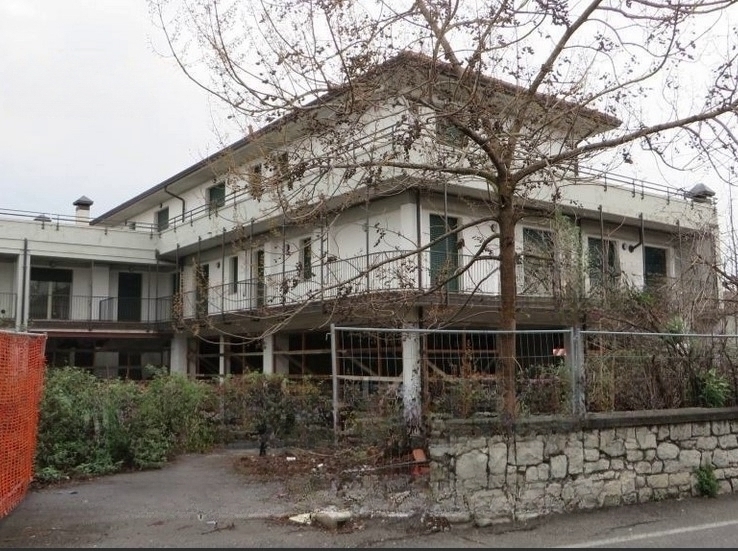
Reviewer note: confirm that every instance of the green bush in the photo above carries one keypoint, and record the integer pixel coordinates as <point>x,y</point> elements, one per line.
<point>70,422</point>
<point>713,389</point>
<point>89,426</point>
<point>707,484</point>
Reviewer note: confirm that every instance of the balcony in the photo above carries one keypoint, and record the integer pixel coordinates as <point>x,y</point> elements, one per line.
<point>425,273</point>
<point>419,276</point>
<point>44,309</point>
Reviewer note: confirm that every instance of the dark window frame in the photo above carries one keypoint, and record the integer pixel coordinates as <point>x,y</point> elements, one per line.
<point>216,196</point>
<point>162,219</point>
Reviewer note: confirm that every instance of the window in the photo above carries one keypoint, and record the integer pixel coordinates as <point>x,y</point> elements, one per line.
<point>162,219</point>
<point>444,254</point>
<point>449,134</point>
<point>654,269</point>
<point>282,163</point>
<point>256,182</point>
<point>234,274</point>
<point>603,261</point>
<point>50,293</point>
<point>306,258</point>
<point>216,196</point>
<point>538,262</point>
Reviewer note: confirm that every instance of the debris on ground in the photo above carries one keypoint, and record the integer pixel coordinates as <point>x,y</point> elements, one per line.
<point>283,464</point>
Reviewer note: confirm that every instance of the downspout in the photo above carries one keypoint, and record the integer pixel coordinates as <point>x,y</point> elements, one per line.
<point>418,237</point>
<point>631,248</point>
<point>366,239</point>
<point>177,197</point>
<point>156,291</point>
<point>222,274</point>
<point>284,256</point>
<point>92,290</point>
<point>642,233</point>
<point>603,250</point>
<point>21,321</point>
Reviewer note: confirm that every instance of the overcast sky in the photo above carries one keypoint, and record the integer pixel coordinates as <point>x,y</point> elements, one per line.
<point>89,107</point>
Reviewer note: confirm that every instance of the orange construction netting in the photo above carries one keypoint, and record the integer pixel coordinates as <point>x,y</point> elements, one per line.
<point>22,364</point>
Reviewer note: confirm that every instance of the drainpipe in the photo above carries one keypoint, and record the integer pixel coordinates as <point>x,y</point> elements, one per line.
<point>21,318</point>
<point>641,235</point>
<point>418,237</point>
<point>177,197</point>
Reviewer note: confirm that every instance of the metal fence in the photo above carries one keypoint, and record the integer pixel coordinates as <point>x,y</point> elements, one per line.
<point>632,371</point>
<point>563,371</point>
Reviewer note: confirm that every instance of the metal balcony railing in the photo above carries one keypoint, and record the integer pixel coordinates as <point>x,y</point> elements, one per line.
<point>7,306</point>
<point>374,273</point>
<point>392,271</point>
<point>45,307</point>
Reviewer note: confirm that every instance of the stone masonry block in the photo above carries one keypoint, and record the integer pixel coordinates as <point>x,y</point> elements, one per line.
<point>707,443</point>
<point>701,429</point>
<point>720,428</point>
<point>646,438</point>
<point>558,466</point>
<point>682,431</point>
<point>498,458</point>
<point>690,459</point>
<point>591,454</point>
<point>471,470</point>
<point>591,439</point>
<point>528,452</point>
<point>667,450</point>
<point>658,481</point>
<point>633,456</point>
<point>575,456</point>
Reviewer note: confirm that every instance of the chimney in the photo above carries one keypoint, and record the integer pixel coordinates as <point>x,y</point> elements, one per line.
<point>82,210</point>
<point>700,193</point>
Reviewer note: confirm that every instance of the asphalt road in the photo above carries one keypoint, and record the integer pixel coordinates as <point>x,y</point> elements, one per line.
<point>200,501</point>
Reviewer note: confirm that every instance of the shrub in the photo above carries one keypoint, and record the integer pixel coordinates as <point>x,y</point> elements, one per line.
<point>545,389</point>
<point>707,484</point>
<point>273,407</point>
<point>89,426</point>
<point>70,424</point>
<point>713,389</point>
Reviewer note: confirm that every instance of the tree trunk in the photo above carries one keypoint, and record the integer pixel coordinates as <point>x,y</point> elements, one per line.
<point>508,293</point>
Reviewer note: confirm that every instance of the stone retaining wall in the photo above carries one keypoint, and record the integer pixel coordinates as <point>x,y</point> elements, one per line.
<point>487,472</point>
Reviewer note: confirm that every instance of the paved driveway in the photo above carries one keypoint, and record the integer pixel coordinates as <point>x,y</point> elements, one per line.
<point>201,501</point>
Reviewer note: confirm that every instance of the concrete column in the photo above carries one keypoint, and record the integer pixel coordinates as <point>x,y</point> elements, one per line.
<point>268,351</point>
<point>178,354</point>
<point>222,356</point>
<point>411,383</point>
<point>274,362</point>
<point>281,363</point>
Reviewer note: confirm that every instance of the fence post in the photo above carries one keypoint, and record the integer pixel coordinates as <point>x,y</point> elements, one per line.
<point>576,369</point>
<point>411,384</point>
<point>334,379</point>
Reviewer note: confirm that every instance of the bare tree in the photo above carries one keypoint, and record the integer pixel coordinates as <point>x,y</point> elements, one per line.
<point>526,92</point>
